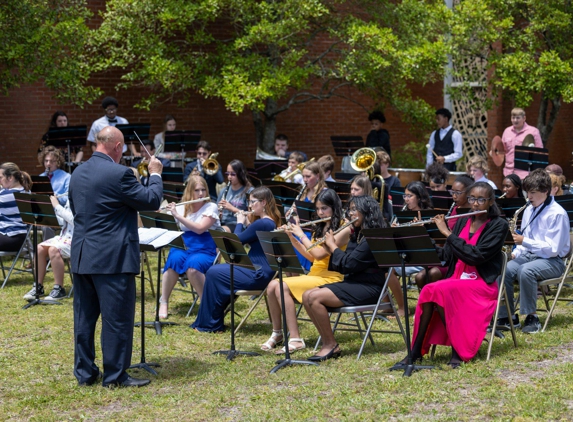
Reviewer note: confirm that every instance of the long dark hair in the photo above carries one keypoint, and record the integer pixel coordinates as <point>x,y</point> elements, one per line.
<point>239,168</point>
<point>493,210</point>
<point>516,181</point>
<point>329,198</point>
<point>55,117</point>
<point>370,210</point>
<point>418,189</point>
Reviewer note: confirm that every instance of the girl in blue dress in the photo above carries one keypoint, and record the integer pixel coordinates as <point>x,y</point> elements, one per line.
<point>217,293</point>
<point>195,220</point>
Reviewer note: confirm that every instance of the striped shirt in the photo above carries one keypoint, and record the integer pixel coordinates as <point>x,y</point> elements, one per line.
<point>11,223</point>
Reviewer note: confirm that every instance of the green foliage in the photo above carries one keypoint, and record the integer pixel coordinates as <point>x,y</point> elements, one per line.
<point>410,156</point>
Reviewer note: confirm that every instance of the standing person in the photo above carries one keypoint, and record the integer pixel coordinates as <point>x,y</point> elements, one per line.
<point>378,136</point>
<point>12,229</point>
<point>477,168</point>
<point>446,142</point>
<point>196,166</point>
<point>514,136</point>
<point>60,119</point>
<point>105,198</point>
<point>52,159</point>
<point>233,198</point>
<point>541,246</point>
<point>110,106</point>
<point>512,186</point>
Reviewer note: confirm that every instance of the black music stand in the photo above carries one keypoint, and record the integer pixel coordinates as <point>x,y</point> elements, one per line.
<point>234,253</point>
<point>173,192</point>
<point>36,210</point>
<point>306,211</point>
<point>67,137</point>
<point>531,158</point>
<point>403,246</point>
<point>130,130</point>
<point>181,141</point>
<point>172,175</point>
<point>151,219</point>
<point>267,169</point>
<point>42,185</point>
<point>342,189</point>
<point>281,256</point>
<point>286,192</point>
<point>510,205</point>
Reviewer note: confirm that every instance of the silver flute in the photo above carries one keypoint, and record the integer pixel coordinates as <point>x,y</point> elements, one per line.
<point>308,223</point>
<point>194,201</point>
<point>430,221</point>
<point>243,213</point>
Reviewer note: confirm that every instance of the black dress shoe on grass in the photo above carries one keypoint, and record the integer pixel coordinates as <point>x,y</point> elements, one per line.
<point>92,382</point>
<point>130,382</point>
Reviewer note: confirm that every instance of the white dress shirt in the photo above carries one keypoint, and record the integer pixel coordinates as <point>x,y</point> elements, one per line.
<point>458,146</point>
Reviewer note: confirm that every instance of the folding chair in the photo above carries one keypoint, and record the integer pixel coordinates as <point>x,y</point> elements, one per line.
<point>363,310</point>
<point>257,296</point>
<point>26,248</point>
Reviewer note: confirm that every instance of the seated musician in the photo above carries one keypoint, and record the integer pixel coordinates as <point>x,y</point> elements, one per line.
<point>281,147</point>
<point>52,159</point>
<point>195,220</point>
<point>327,164</point>
<point>169,124</point>
<point>363,280</point>
<point>383,162</point>
<point>327,205</point>
<point>196,166</point>
<point>12,229</point>
<point>512,186</point>
<point>459,194</point>
<point>217,293</point>
<point>60,119</point>
<point>556,184</point>
<point>477,168</point>
<point>437,176</point>
<point>141,162</point>
<point>456,311</point>
<point>294,159</point>
<point>542,243</point>
<point>558,171</point>
<point>233,198</point>
<point>55,250</point>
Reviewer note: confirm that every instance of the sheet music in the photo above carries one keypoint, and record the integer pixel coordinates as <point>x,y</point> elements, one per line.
<point>156,237</point>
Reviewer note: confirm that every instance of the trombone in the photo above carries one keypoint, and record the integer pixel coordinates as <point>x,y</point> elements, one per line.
<point>364,159</point>
<point>298,170</point>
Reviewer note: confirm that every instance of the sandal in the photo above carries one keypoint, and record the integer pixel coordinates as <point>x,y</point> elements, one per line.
<point>165,313</point>
<point>271,343</point>
<point>292,348</point>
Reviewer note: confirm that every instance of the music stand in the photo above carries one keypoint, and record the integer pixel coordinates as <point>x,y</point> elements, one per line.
<point>151,219</point>
<point>42,185</point>
<point>130,130</point>
<point>566,201</point>
<point>530,158</point>
<point>36,210</point>
<point>173,192</point>
<point>342,189</point>
<point>234,253</point>
<point>286,192</point>
<point>173,175</point>
<point>345,146</point>
<point>306,212</point>
<point>510,206</point>
<point>403,246</point>
<point>67,137</point>
<point>281,256</point>
<point>267,169</point>
<point>181,141</point>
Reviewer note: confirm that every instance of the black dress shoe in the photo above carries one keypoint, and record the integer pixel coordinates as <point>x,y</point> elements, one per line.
<point>130,382</point>
<point>93,381</point>
<point>330,355</point>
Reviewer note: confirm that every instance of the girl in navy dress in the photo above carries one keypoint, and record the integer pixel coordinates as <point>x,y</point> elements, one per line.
<point>217,293</point>
<point>195,220</point>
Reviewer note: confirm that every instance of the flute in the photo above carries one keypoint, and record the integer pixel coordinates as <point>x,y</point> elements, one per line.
<point>429,221</point>
<point>243,213</point>
<point>323,239</point>
<point>308,223</point>
<point>194,201</point>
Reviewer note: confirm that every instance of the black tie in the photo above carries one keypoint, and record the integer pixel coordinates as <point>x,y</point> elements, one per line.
<point>112,120</point>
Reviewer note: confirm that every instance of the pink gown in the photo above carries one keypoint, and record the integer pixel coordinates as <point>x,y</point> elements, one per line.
<point>469,304</point>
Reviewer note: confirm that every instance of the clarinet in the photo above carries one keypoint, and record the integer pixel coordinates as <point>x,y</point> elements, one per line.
<point>224,196</point>
<point>451,209</point>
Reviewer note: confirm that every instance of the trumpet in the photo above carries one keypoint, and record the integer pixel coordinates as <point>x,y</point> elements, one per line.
<point>298,170</point>
<point>194,201</point>
<point>323,239</point>
<point>308,223</point>
<point>429,221</point>
<point>243,213</point>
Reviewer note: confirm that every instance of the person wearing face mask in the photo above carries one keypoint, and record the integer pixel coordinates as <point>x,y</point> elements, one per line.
<point>110,106</point>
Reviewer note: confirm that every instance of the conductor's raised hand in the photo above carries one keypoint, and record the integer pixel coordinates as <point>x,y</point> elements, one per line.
<point>155,165</point>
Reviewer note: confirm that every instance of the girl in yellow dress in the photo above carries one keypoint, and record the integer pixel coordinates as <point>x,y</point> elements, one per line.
<point>327,205</point>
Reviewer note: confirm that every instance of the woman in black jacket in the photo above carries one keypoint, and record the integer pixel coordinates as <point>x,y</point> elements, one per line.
<point>457,310</point>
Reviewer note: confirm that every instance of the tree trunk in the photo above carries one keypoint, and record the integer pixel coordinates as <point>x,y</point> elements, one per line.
<point>266,126</point>
<point>546,124</point>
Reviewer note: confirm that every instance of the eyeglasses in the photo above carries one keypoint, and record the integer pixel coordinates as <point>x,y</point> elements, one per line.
<point>455,192</point>
<point>110,110</point>
<point>407,195</point>
<point>480,201</point>
<point>230,173</point>
<point>253,201</point>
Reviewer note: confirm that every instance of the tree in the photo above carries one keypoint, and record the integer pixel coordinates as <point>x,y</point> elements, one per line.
<point>523,45</point>
<point>265,56</point>
<point>45,40</point>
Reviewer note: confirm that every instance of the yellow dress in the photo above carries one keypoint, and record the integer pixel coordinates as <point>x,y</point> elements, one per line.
<point>317,276</point>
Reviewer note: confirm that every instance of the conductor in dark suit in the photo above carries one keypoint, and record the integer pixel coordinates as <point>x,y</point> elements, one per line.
<point>105,198</point>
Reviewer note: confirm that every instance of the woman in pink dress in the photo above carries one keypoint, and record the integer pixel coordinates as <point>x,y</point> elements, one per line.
<point>457,310</point>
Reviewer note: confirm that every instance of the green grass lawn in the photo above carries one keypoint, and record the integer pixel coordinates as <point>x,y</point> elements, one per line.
<point>532,382</point>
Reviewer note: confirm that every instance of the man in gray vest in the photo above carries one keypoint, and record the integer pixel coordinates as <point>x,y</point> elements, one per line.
<point>446,144</point>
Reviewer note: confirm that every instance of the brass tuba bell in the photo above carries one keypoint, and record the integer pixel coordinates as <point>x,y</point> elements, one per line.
<point>364,159</point>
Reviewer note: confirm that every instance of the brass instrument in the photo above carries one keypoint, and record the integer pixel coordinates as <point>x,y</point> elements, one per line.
<point>363,159</point>
<point>513,220</point>
<point>224,196</point>
<point>323,239</point>
<point>308,223</point>
<point>143,166</point>
<point>211,165</point>
<point>194,201</point>
<point>298,170</point>
<point>429,221</point>
<point>243,213</point>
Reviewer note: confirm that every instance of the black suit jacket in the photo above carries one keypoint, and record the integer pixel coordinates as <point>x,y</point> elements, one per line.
<point>105,198</point>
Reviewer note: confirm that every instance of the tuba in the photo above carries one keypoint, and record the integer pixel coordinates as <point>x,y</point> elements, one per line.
<point>363,159</point>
